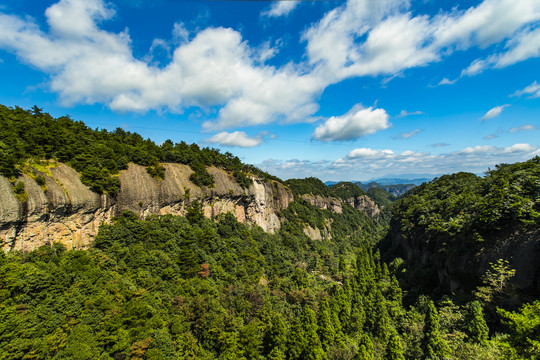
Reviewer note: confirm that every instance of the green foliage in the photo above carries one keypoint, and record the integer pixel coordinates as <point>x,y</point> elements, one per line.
<point>495,282</point>
<point>435,347</point>
<point>309,185</point>
<point>476,326</point>
<point>524,328</point>
<point>346,190</point>
<point>98,155</point>
<point>20,192</point>
<point>381,196</point>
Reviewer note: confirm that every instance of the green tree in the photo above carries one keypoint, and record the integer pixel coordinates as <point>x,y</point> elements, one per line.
<point>525,329</point>
<point>394,348</point>
<point>476,326</point>
<point>326,326</point>
<point>434,345</point>
<point>495,282</point>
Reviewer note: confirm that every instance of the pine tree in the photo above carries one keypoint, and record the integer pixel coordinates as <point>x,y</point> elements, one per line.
<point>434,344</point>
<point>327,332</point>
<point>296,343</point>
<point>394,348</point>
<point>476,327</point>
<point>276,337</point>
<point>365,348</point>
<point>313,350</point>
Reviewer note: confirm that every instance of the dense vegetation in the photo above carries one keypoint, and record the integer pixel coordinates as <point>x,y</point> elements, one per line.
<point>192,288</point>
<point>310,185</point>
<point>346,190</point>
<point>99,155</point>
<point>189,287</point>
<point>381,196</point>
<point>464,206</point>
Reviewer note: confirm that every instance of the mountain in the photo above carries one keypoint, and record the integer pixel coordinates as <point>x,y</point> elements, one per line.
<point>450,231</point>
<point>117,248</point>
<point>60,180</point>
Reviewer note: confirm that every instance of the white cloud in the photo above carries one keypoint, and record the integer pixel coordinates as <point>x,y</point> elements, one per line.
<point>366,163</point>
<point>358,122</point>
<point>446,81</point>
<point>493,113</point>
<point>520,148</point>
<point>478,149</point>
<point>405,135</point>
<point>366,37</point>
<point>405,113</point>
<point>490,137</point>
<point>215,68</point>
<point>367,153</point>
<point>527,127</point>
<point>523,46</point>
<point>280,8</point>
<point>533,90</point>
<point>236,138</point>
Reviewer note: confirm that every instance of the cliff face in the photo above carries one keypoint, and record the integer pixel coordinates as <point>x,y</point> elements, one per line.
<point>362,203</point>
<point>460,267</point>
<point>64,210</point>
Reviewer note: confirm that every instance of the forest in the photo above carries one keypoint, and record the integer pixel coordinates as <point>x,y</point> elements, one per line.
<point>170,287</point>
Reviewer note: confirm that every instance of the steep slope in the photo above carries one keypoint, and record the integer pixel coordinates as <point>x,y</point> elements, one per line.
<point>451,229</point>
<point>335,197</point>
<point>65,210</point>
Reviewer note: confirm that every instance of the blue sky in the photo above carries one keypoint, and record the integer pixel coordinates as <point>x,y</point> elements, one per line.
<point>340,90</point>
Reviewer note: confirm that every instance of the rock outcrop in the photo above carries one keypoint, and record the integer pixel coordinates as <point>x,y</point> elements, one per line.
<point>458,267</point>
<point>65,210</point>
<point>362,203</point>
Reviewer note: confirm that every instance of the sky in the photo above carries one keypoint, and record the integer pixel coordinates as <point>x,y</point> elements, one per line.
<point>339,90</point>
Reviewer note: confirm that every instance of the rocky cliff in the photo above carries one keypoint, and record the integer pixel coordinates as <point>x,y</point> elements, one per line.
<point>362,203</point>
<point>64,210</point>
<point>452,267</point>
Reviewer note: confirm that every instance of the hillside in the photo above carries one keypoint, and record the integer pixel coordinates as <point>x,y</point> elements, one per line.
<point>452,228</point>
<point>145,261</point>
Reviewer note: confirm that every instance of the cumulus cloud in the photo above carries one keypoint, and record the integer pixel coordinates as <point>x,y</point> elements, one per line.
<point>358,122</point>
<point>280,8</point>
<point>407,135</point>
<point>493,113</point>
<point>365,163</point>
<point>368,153</point>
<point>236,138</point>
<point>216,67</point>
<point>533,90</point>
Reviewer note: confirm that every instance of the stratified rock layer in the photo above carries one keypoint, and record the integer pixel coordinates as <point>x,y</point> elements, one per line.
<point>67,211</point>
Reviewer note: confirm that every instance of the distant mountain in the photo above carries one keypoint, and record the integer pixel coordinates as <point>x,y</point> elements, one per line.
<point>395,189</point>
<point>398,181</point>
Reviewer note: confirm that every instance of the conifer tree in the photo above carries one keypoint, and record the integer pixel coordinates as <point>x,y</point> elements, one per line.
<point>276,337</point>
<point>313,350</point>
<point>434,345</point>
<point>365,348</point>
<point>394,348</point>
<point>296,343</point>
<point>327,332</point>
<point>476,327</point>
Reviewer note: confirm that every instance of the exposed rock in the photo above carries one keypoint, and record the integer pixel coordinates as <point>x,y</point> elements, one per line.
<point>70,213</point>
<point>363,203</point>
<point>325,203</point>
<point>459,268</point>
